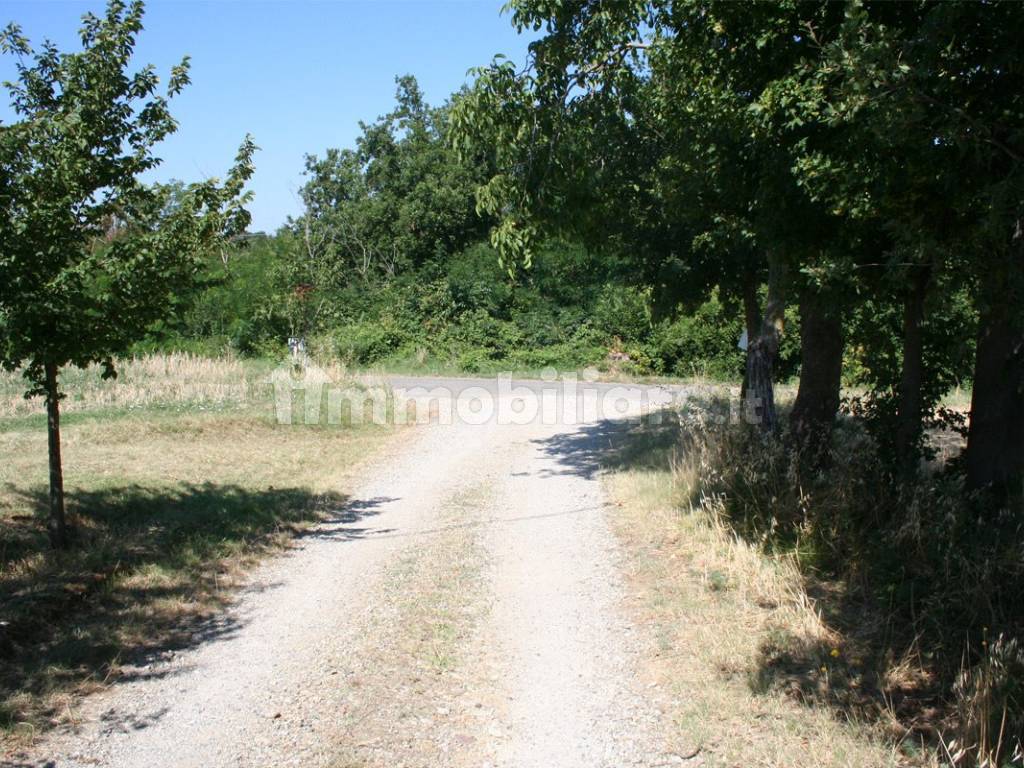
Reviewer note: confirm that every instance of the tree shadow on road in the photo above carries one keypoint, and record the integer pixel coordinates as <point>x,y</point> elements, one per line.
<point>613,444</point>
<point>150,572</point>
<point>846,666</point>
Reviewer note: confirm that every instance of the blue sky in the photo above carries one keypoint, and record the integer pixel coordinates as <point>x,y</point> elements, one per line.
<point>297,75</point>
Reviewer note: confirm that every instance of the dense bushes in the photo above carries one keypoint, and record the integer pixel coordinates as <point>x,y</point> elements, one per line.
<point>705,342</point>
<point>571,310</point>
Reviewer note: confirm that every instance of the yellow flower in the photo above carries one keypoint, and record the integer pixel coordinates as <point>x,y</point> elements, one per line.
<point>835,653</point>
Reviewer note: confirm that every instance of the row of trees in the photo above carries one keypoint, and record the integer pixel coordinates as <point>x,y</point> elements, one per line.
<point>389,263</point>
<point>859,159</point>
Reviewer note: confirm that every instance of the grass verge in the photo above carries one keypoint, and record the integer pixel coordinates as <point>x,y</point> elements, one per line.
<point>716,601</point>
<point>177,482</point>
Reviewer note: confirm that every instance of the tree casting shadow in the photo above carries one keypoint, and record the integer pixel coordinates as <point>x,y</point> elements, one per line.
<point>148,574</point>
<point>842,676</point>
<point>613,444</point>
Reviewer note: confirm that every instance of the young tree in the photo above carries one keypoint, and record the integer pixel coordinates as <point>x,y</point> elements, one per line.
<point>92,256</point>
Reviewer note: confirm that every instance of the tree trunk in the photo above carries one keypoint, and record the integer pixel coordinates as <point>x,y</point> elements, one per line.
<point>821,368</point>
<point>995,443</point>
<point>57,523</point>
<point>751,323</point>
<point>762,353</point>
<point>908,430</point>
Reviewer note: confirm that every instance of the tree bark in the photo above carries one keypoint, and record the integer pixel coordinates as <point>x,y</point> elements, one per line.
<point>751,323</point>
<point>762,353</point>
<point>908,430</point>
<point>821,367</point>
<point>995,442</point>
<point>57,523</point>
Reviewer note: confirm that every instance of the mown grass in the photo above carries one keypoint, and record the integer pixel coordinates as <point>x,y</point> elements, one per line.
<point>178,479</point>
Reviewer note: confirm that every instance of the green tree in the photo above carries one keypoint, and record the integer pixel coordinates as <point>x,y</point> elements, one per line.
<point>397,204</point>
<point>644,125</point>
<point>928,99</point>
<point>398,199</point>
<point>92,256</point>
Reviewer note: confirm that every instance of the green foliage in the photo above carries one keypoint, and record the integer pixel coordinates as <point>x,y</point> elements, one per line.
<point>348,273</point>
<point>368,342</point>
<point>92,257</point>
<point>236,303</point>
<point>476,281</point>
<point>622,312</point>
<point>949,331</point>
<point>703,343</point>
<point>461,311</point>
<point>399,199</point>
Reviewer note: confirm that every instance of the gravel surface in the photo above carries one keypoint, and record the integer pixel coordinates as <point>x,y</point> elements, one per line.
<point>465,609</point>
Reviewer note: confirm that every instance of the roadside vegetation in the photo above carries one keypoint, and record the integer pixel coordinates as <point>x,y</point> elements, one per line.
<point>714,601</point>
<point>179,478</point>
<point>840,182</point>
<point>812,599</point>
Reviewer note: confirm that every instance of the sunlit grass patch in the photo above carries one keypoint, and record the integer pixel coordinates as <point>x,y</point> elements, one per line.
<point>171,501</point>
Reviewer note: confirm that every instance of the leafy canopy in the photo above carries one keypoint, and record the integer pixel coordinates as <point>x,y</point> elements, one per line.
<point>91,255</point>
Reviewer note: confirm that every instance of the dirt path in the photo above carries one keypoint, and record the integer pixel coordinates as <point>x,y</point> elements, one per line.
<point>467,609</point>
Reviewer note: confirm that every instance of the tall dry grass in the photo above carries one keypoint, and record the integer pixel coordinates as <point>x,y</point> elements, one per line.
<point>897,602</point>
<point>177,379</point>
<point>158,379</point>
<point>716,601</point>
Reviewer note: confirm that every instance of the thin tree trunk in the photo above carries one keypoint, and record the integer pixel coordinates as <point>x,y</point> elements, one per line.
<point>821,368</point>
<point>751,323</point>
<point>908,430</point>
<point>57,523</point>
<point>762,354</point>
<point>995,443</point>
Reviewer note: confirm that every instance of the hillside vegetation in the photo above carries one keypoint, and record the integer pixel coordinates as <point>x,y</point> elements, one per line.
<point>392,265</point>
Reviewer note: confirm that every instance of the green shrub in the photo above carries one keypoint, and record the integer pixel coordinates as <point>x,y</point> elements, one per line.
<point>369,341</point>
<point>474,360</point>
<point>702,343</point>
<point>622,312</point>
<point>476,281</point>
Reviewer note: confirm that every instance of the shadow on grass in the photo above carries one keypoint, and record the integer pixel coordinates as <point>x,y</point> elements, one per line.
<point>149,572</point>
<point>849,671</point>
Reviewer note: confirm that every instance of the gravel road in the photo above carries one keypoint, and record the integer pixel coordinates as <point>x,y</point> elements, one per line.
<point>465,609</point>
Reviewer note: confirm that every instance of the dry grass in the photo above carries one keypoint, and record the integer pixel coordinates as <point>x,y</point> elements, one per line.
<point>177,381</point>
<point>144,382</point>
<point>404,696</point>
<point>173,500</point>
<point>717,602</point>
